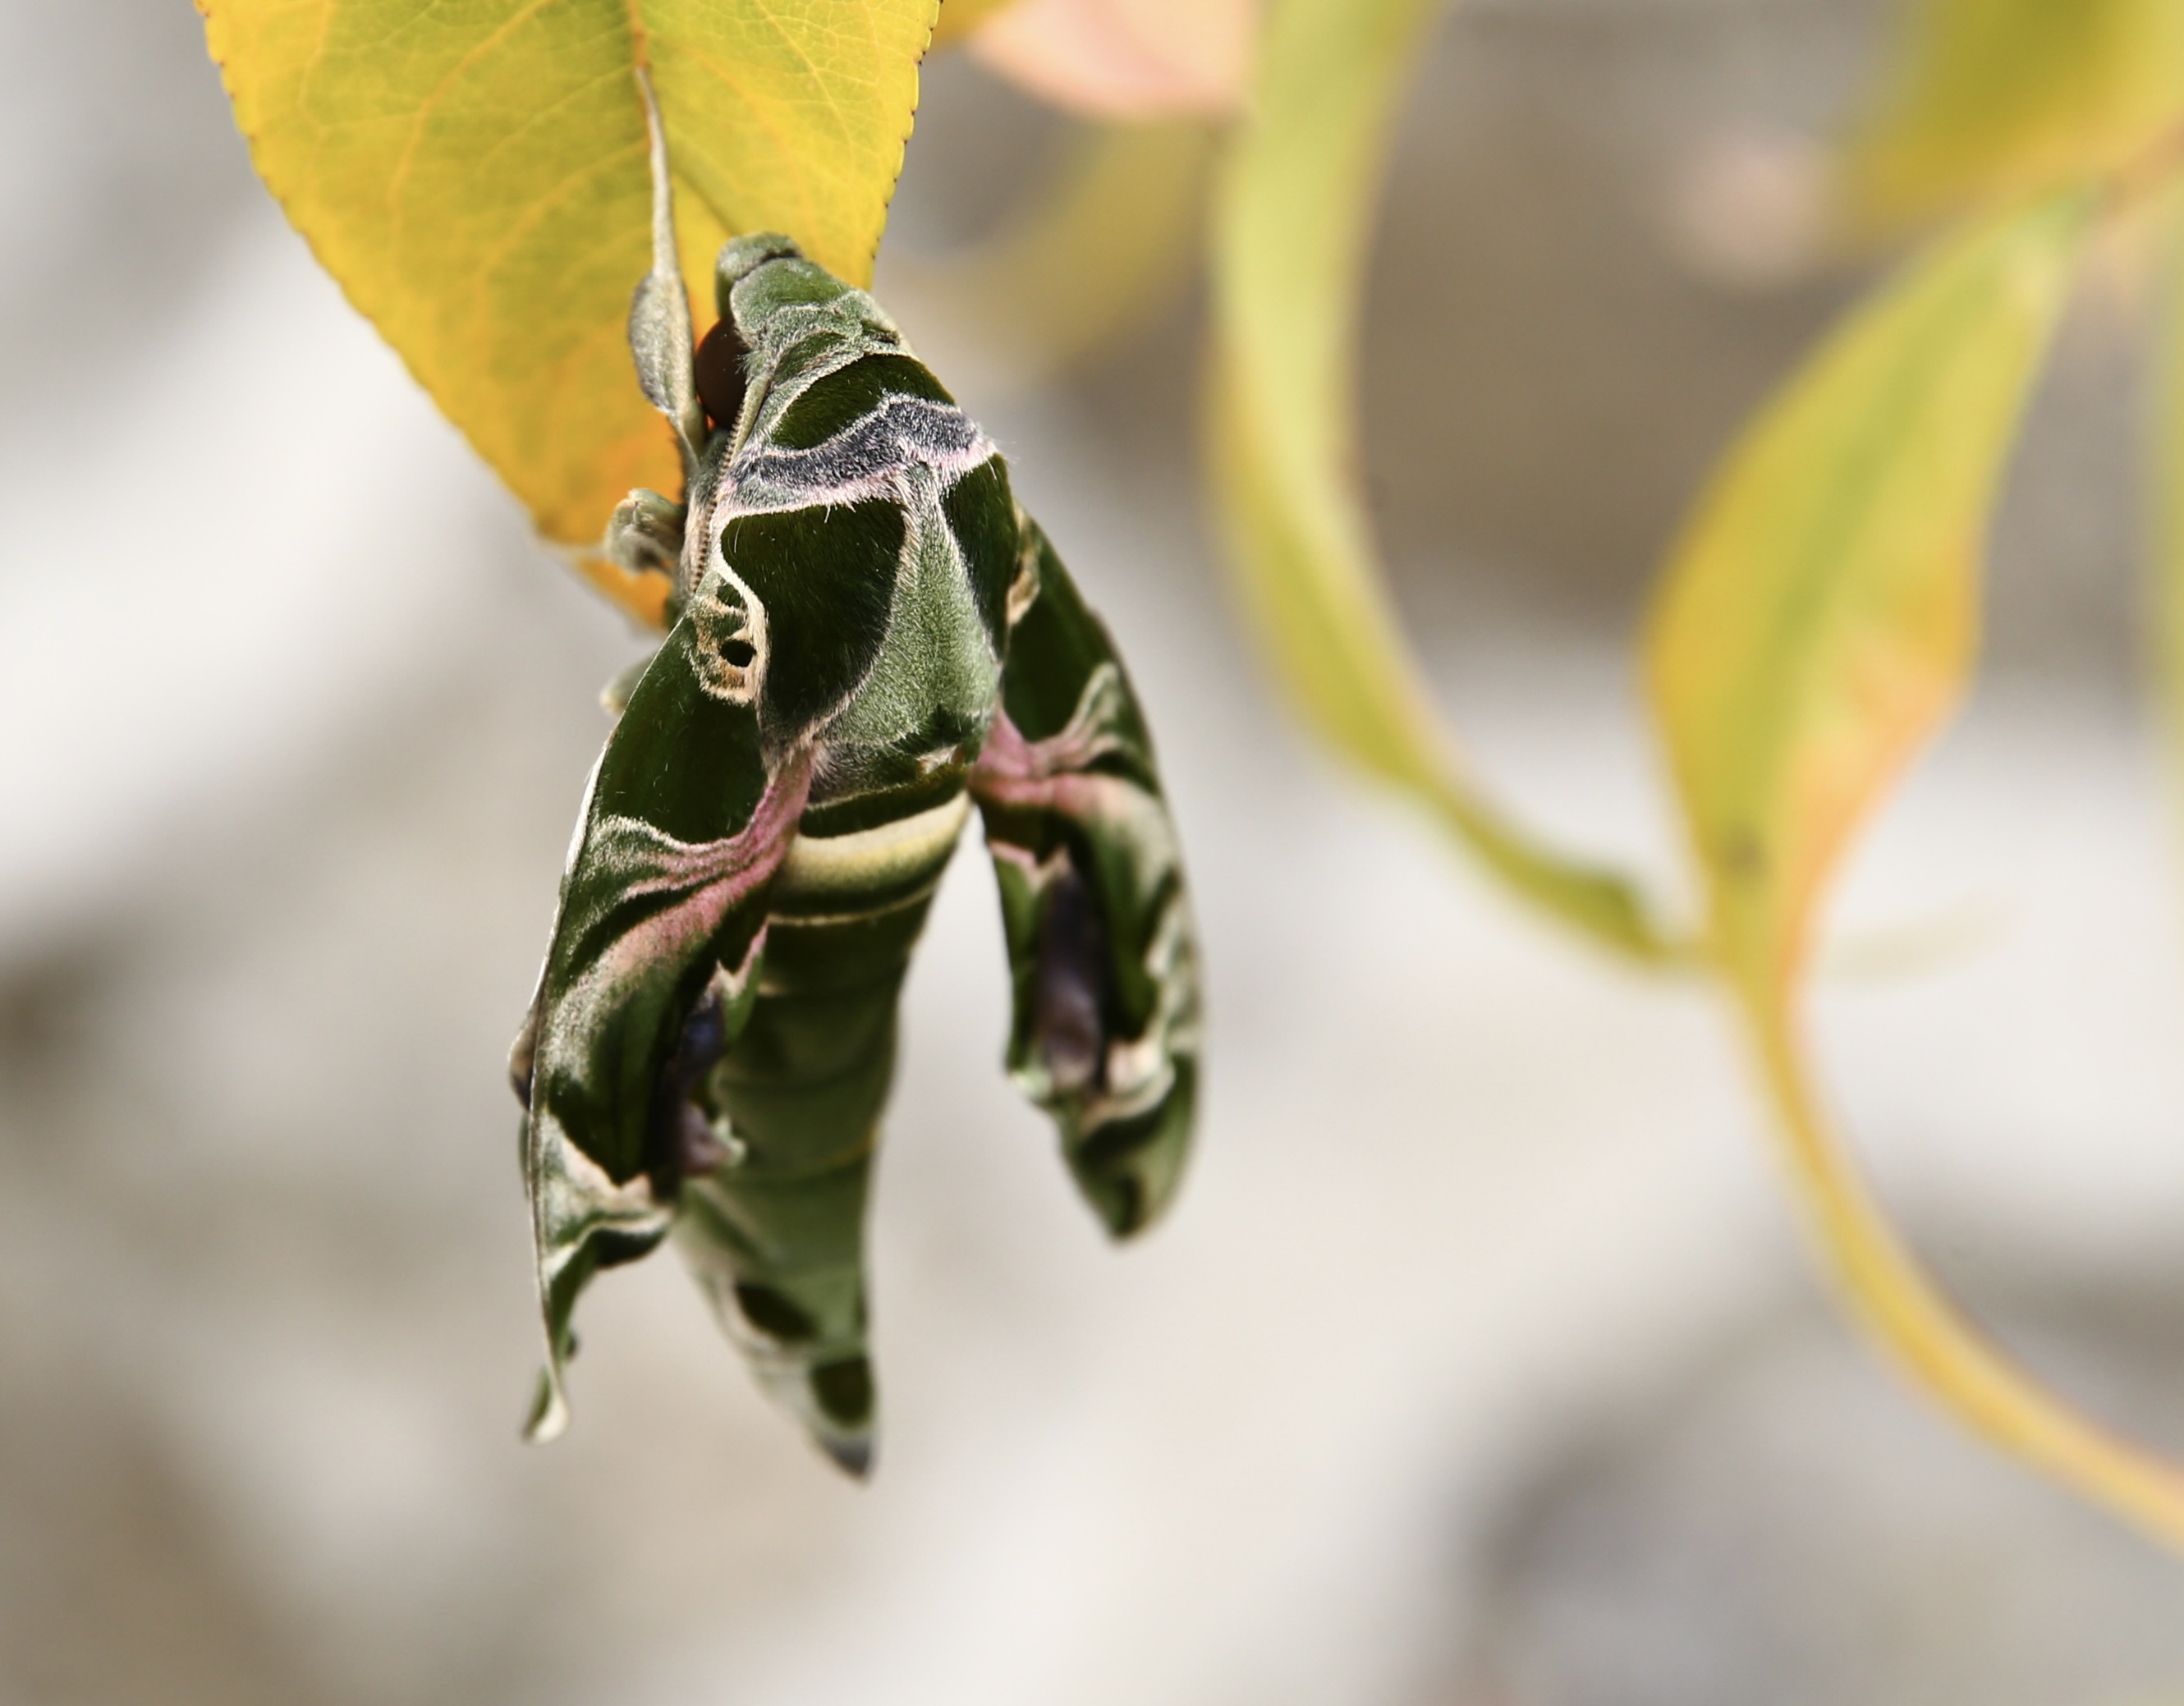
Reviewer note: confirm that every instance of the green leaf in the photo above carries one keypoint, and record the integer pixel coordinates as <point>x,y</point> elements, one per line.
<point>1997,98</point>
<point>1292,219</point>
<point>1817,622</point>
<point>474,174</point>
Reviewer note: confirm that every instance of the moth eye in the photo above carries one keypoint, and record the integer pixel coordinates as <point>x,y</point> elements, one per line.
<point>738,653</point>
<point>719,369</point>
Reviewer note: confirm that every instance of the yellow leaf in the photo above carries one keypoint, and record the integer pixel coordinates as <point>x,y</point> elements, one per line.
<point>1817,622</point>
<point>474,174</point>
<point>1292,217</point>
<point>1997,98</point>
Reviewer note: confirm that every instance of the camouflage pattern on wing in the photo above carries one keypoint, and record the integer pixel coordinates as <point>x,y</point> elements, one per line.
<point>1103,960</point>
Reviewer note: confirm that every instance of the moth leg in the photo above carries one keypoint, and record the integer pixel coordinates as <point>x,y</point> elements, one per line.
<point>644,537</point>
<point>1103,959</point>
<point>644,534</point>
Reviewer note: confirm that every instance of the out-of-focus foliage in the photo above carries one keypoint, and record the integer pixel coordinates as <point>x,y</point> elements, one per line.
<point>1818,621</point>
<point>475,176</point>
<point>2165,473</point>
<point>1124,58</point>
<point>1109,242</point>
<point>2011,95</point>
<point>959,18</point>
<point>1293,214</point>
<point>1818,617</point>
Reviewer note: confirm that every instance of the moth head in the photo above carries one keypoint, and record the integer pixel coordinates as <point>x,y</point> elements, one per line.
<point>742,256</point>
<point>728,635</point>
<point>768,294</point>
<point>755,278</point>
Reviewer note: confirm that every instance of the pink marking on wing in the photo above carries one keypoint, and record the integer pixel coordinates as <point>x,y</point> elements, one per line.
<point>719,873</point>
<point>1050,772</point>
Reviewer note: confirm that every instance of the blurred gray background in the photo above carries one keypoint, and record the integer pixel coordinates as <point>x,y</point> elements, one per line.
<point>1482,1362</point>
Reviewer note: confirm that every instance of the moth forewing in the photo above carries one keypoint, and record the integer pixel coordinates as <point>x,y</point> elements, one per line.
<point>681,832</point>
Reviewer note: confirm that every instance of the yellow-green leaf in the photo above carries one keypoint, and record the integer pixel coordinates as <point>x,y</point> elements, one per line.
<point>1994,97</point>
<point>1817,622</point>
<point>1293,214</point>
<point>1818,617</point>
<point>474,174</point>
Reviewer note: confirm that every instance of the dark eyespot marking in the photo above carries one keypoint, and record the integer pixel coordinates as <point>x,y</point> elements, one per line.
<point>737,653</point>
<point>719,367</point>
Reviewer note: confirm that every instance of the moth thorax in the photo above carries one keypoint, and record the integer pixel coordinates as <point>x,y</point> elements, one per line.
<point>728,633</point>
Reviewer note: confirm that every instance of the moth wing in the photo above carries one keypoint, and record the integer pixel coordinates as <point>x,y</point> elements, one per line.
<point>661,918</point>
<point>1103,957</point>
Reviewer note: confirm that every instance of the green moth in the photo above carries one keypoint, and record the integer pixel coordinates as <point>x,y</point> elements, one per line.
<point>869,638</point>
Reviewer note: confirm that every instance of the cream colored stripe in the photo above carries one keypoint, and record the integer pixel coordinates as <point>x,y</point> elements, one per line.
<point>868,859</point>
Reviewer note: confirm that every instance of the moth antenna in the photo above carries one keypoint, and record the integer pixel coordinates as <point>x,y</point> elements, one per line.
<point>659,313</point>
